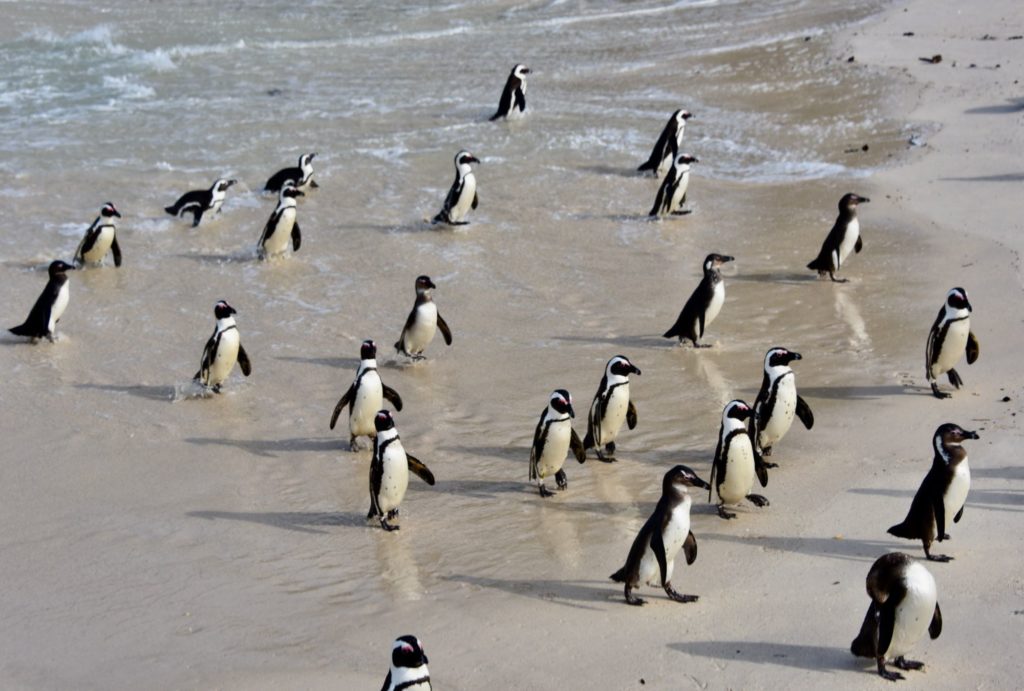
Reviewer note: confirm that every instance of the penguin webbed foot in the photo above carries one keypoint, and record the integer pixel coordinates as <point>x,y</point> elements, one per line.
<point>942,558</point>
<point>908,665</point>
<point>677,596</point>
<point>701,345</point>
<point>837,280</point>
<point>387,526</point>
<point>682,212</point>
<point>725,514</point>
<point>886,674</point>
<point>767,464</point>
<point>562,480</point>
<point>939,394</point>
<point>632,599</point>
<point>545,492</point>
<point>601,456</point>
<point>393,513</point>
<point>758,500</point>
<point>945,536</point>
<point>954,378</point>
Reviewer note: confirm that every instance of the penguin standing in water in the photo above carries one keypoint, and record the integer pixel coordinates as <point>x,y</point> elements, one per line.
<point>672,193</point>
<point>223,350</point>
<point>422,322</point>
<point>610,408</point>
<point>652,557</point>
<point>950,336</point>
<point>704,304</point>
<point>841,240</point>
<point>552,440</point>
<point>736,461</point>
<point>100,238</point>
<point>198,202</point>
<point>408,666</point>
<point>667,147</point>
<point>301,176</point>
<point>365,396</point>
<point>512,104</point>
<point>904,604</point>
<point>389,471</point>
<point>49,307</point>
<point>778,402</point>
<point>462,196</point>
<point>282,226</point>
<point>942,493</point>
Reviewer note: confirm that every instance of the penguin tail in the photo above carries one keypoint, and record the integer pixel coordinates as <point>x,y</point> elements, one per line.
<point>21,330</point>
<point>644,167</point>
<point>819,264</point>
<point>172,210</point>
<point>588,441</point>
<point>903,530</point>
<point>619,576</point>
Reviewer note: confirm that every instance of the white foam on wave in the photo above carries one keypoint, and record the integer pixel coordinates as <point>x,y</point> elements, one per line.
<point>126,88</point>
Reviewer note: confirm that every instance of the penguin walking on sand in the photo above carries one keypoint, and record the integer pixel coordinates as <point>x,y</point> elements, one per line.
<point>610,408</point>
<point>704,304</point>
<point>777,402</point>
<point>422,322</point>
<point>408,666</point>
<point>652,557</point>
<point>365,396</point>
<point>223,350</point>
<point>512,104</point>
<point>942,493</point>
<point>672,193</point>
<point>282,226</point>
<point>49,307</point>
<point>950,337</point>
<point>904,604</point>
<point>462,196</point>
<point>552,440</point>
<point>667,147</point>
<point>736,462</point>
<point>843,239</point>
<point>198,202</point>
<point>100,238</point>
<point>389,471</point>
<point>301,176</point>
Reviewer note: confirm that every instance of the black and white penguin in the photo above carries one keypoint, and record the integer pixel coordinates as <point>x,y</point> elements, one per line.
<point>462,196</point>
<point>422,322</point>
<point>942,493</point>
<point>365,396</point>
<point>950,337</point>
<point>198,202</point>
<point>672,193</point>
<point>389,471</point>
<point>301,176</point>
<point>50,305</point>
<point>737,462</point>
<point>100,238</point>
<point>667,147</point>
<point>610,408</point>
<point>704,304</point>
<point>513,99</point>
<point>552,440</point>
<point>408,666</point>
<point>777,402</point>
<point>652,557</point>
<point>281,226</point>
<point>843,239</point>
<point>223,350</point>
<point>904,604</point>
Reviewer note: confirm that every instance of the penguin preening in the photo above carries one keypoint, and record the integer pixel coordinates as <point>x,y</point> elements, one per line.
<point>100,238</point>
<point>408,666</point>
<point>389,471</point>
<point>513,98</point>
<point>462,196</point>
<point>611,407</point>
<point>652,557</point>
<point>552,440</point>
<point>365,396</point>
<point>422,323</point>
<point>942,493</point>
<point>49,306</point>
<point>736,462</point>
<point>778,402</point>
<point>282,226</point>
<point>843,239</point>
<point>198,202</point>
<point>667,147</point>
<point>672,193</point>
<point>703,305</point>
<point>223,350</point>
<point>949,337</point>
<point>904,604</point>
<point>301,176</point>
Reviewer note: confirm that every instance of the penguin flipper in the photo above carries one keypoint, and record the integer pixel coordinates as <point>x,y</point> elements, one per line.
<point>959,515</point>
<point>659,200</point>
<point>346,399</point>
<point>690,548</point>
<point>887,618</point>
<point>376,476</point>
<point>759,465</point>
<point>243,361</point>
<point>476,200</point>
<point>520,103</point>
<point>537,448</point>
<point>859,246</point>
<point>803,411</point>
<point>715,465</point>
<point>973,348</point>
<point>658,547</point>
<point>421,470</point>
<point>116,249</point>
<point>631,415</point>
<point>939,507</point>
<point>445,331</point>
<point>577,448</point>
<point>296,237</point>
<point>387,682</point>
<point>866,642</point>
<point>392,396</point>
<point>935,628</point>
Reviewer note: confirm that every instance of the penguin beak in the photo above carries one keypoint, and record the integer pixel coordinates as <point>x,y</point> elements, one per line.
<point>117,213</point>
<point>634,369</point>
<point>968,303</point>
<point>697,482</point>
<point>473,159</point>
<point>232,182</point>
<point>862,200</point>
<point>971,435</point>
<point>572,412</point>
<point>687,116</point>
<point>795,356</point>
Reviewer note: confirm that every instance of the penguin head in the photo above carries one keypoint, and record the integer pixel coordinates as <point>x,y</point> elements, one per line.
<point>407,651</point>
<point>850,201</point>
<point>306,159</point>
<point>223,310</point>
<point>462,161</point>
<point>685,160</point>
<point>383,421</point>
<point>109,210</point>
<point>737,410</point>
<point>58,267</point>
<point>780,357</point>
<point>223,184</point>
<point>289,190</point>
<point>951,434</point>
<point>520,70</point>
<point>957,299</point>
<point>681,116</point>
<point>368,350</point>
<point>621,366</point>
<point>681,477</point>
<point>424,285</point>
<point>561,402</point>
<point>714,261</point>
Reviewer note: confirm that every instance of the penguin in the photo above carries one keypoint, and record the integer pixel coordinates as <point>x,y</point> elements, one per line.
<point>652,556</point>
<point>389,471</point>
<point>462,196</point>
<point>672,193</point>
<point>50,305</point>
<point>365,396</point>
<point>736,461</point>
<point>904,604</point>
<point>222,351</point>
<point>841,240</point>
<point>610,407</point>
<point>950,336</point>
<point>778,402</point>
<point>704,304</point>
<point>552,440</point>
<point>667,147</point>
<point>408,666</point>
<point>100,238</point>
<point>198,202</point>
<point>513,99</point>
<point>422,322</point>
<point>281,226</point>
<point>301,176</point>
<point>942,492</point>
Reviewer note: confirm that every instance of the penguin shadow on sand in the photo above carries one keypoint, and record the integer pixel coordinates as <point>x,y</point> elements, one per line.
<point>575,594</point>
<point>298,521</point>
<point>978,499</point>
<point>624,341</point>
<point>271,448</point>
<point>237,257</point>
<point>786,277</point>
<point>865,393</point>
<point>346,363</point>
<point>153,393</point>
<point>815,658</point>
<point>615,171</point>
<point>847,549</point>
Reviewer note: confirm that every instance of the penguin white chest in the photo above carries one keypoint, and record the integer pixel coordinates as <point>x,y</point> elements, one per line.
<point>782,414</point>
<point>673,536</point>
<point>421,333</point>
<point>739,470</point>
<point>915,612</point>
<point>395,478</point>
<point>614,413</point>
<point>216,202</point>
<point>953,346</point>
<point>280,235</point>
<point>849,240</point>
<point>679,194</point>
<point>715,306</point>
<point>101,246</point>
<point>225,358</point>
<point>956,494</point>
<point>556,448</point>
<point>59,305</point>
<point>465,200</point>
<point>369,399</point>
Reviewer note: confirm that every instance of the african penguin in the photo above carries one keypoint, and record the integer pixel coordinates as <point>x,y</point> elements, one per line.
<point>552,440</point>
<point>198,202</point>
<point>301,176</point>
<point>904,604</point>
<point>704,304</point>
<point>422,322</point>
<point>365,396</point>
<point>672,193</point>
<point>408,666</point>
<point>281,226</point>
<point>736,461</point>
<point>652,556</point>
<point>843,239</point>
<point>462,196</point>
<point>50,305</point>
<point>513,99</point>
<point>667,147</point>
<point>950,336</point>
<point>223,350</point>
<point>778,402</point>
<point>610,408</point>
<point>100,238</point>
<point>389,471</point>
